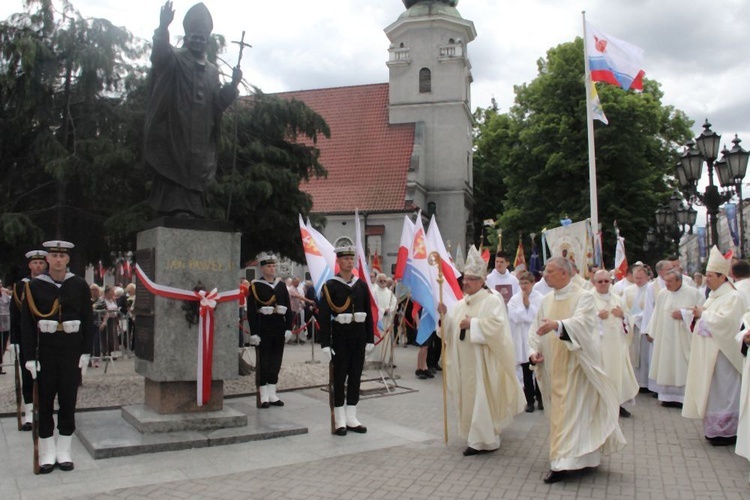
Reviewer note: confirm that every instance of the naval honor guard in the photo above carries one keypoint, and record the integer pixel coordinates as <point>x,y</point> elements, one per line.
<point>270,319</point>
<point>346,334</point>
<point>37,262</point>
<point>56,335</point>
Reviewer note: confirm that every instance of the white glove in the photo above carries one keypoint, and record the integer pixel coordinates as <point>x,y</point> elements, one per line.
<point>254,340</point>
<point>287,336</point>
<point>369,348</point>
<point>329,353</point>
<point>83,363</point>
<point>33,367</point>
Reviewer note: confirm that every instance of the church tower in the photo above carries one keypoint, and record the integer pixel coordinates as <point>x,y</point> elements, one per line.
<point>429,85</point>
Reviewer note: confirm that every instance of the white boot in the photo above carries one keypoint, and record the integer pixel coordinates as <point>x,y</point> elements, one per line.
<point>352,423</point>
<point>339,419</point>
<point>63,453</point>
<point>28,416</point>
<point>272,397</point>
<point>264,396</point>
<point>46,455</point>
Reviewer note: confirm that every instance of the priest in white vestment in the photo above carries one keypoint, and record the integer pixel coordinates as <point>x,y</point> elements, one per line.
<point>712,391</point>
<point>579,398</point>
<point>634,299</point>
<point>741,275</point>
<point>480,361</point>
<point>670,330</point>
<point>743,428</point>
<point>386,301</point>
<point>522,310</point>
<point>616,331</point>
<point>646,347</point>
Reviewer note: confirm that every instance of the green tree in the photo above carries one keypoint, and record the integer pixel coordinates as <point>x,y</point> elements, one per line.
<point>258,177</point>
<point>65,154</point>
<point>539,149</point>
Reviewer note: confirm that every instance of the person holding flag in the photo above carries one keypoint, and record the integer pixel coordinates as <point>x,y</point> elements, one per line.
<point>480,361</point>
<point>346,334</point>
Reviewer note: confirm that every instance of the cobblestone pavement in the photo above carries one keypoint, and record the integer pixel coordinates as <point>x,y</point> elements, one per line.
<point>402,456</point>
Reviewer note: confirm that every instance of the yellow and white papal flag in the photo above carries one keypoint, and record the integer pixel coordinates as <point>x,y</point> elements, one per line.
<point>597,112</point>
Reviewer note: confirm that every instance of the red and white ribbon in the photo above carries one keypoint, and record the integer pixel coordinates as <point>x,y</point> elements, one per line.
<point>208,302</point>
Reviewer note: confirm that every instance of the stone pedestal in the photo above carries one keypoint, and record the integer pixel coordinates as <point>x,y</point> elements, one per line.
<point>184,253</point>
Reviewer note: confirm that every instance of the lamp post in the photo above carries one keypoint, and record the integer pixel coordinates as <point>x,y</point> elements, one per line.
<point>674,220</point>
<point>731,170</point>
<point>689,171</point>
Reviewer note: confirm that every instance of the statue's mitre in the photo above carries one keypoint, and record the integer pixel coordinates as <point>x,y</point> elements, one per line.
<point>198,20</point>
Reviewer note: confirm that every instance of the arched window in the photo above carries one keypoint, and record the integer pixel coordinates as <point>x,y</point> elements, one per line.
<point>425,81</point>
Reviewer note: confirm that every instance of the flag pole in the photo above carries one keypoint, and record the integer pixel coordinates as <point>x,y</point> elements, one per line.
<point>436,260</point>
<point>590,128</point>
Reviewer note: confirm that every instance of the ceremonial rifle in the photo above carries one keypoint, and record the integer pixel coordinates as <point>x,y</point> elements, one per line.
<point>35,413</point>
<point>331,400</point>
<point>17,370</point>
<point>435,260</point>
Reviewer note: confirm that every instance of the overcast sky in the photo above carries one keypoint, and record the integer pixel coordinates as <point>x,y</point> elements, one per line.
<point>696,49</point>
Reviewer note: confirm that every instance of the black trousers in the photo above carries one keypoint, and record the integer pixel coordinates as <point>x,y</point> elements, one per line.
<point>59,377</point>
<point>434,349</point>
<point>530,387</point>
<point>271,352</point>
<point>347,367</point>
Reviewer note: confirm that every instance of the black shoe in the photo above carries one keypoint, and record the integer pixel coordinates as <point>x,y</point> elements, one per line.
<point>276,403</point>
<point>26,427</point>
<point>540,405</point>
<point>2,372</point>
<point>66,466</point>
<point>265,405</point>
<point>654,394</point>
<point>421,375</point>
<point>438,368</point>
<point>671,404</point>
<point>624,413</point>
<point>46,468</point>
<point>643,390</point>
<point>723,441</point>
<point>529,408</point>
<point>341,431</point>
<point>428,373</point>
<point>470,452</point>
<point>555,476</point>
<point>432,370</point>
<point>360,429</point>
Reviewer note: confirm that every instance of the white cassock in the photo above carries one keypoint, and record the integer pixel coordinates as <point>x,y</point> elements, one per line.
<point>579,398</point>
<point>386,301</point>
<point>634,298</point>
<point>743,428</point>
<point>506,284</point>
<point>712,391</point>
<point>542,287</point>
<point>616,335</point>
<point>743,286</point>
<point>481,369</point>
<point>672,339</point>
<point>620,286</point>
<point>521,318</point>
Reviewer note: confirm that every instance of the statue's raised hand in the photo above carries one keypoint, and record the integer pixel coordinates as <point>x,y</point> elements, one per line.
<point>166,16</point>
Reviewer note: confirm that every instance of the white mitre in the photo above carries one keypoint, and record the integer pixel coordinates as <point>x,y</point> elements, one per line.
<point>475,265</point>
<point>717,263</point>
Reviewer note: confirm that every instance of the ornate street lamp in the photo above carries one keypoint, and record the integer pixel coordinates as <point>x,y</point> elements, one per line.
<point>705,148</point>
<point>731,170</point>
<point>674,220</point>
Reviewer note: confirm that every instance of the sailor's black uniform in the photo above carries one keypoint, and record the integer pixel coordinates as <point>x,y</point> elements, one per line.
<point>269,327</point>
<point>58,352</point>
<point>19,291</point>
<point>347,340</point>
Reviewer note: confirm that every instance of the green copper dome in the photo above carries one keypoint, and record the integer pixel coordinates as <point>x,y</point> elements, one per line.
<point>421,8</point>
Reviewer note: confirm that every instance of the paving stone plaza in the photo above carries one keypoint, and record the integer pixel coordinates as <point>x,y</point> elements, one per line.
<point>401,456</point>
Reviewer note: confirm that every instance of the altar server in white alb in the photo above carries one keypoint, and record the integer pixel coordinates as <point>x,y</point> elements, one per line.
<point>616,333</point>
<point>712,391</point>
<point>670,330</point>
<point>480,361</point>
<point>579,398</point>
<point>57,323</point>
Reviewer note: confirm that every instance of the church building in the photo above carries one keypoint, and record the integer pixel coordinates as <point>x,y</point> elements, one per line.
<point>402,146</point>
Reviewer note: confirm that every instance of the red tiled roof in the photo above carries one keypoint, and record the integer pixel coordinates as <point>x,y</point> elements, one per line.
<point>366,158</point>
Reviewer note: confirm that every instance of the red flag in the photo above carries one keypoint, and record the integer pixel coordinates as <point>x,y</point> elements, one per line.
<point>376,262</point>
<point>486,255</point>
<point>407,235</point>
